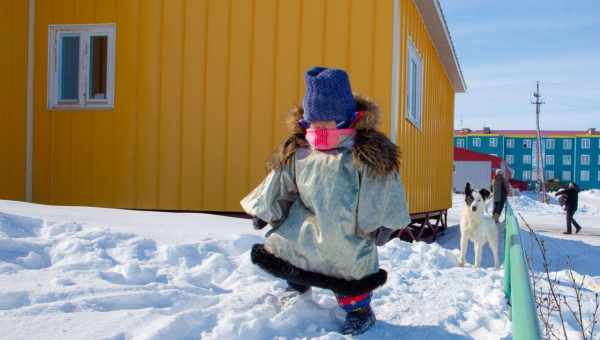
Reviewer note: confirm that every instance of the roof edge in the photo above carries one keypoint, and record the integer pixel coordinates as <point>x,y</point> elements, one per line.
<point>436,24</point>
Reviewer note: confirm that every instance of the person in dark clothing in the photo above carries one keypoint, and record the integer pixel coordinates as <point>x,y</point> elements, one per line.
<point>570,196</point>
<point>468,193</point>
<point>500,192</point>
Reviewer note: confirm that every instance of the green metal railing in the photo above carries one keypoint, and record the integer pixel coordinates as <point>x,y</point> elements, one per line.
<point>517,287</point>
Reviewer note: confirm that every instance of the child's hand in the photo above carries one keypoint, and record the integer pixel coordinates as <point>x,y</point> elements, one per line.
<point>258,223</point>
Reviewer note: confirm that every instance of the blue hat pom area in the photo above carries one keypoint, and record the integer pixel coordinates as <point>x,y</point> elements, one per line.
<point>328,96</point>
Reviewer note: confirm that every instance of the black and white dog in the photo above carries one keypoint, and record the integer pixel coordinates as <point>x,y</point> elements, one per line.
<point>477,226</point>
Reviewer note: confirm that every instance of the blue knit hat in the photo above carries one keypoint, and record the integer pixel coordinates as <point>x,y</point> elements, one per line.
<point>328,96</point>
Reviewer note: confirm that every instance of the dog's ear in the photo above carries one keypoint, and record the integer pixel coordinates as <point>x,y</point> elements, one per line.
<point>485,193</point>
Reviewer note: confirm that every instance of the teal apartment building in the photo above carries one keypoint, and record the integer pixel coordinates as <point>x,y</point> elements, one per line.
<point>567,155</point>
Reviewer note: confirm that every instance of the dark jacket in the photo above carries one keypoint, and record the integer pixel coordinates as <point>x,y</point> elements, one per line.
<point>572,198</point>
<point>500,188</point>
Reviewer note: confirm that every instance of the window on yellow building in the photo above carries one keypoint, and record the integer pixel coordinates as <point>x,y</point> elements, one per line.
<point>414,85</point>
<point>81,66</point>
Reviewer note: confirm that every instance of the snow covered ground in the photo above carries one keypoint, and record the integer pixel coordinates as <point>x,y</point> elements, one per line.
<point>87,273</point>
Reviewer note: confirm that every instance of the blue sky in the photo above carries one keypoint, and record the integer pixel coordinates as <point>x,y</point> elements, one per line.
<point>505,46</point>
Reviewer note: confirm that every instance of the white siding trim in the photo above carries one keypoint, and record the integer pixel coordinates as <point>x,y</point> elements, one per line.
<point>395,73</point>
<point>30,92</point>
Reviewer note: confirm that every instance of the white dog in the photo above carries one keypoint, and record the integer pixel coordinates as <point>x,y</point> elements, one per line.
<point>477,226</point>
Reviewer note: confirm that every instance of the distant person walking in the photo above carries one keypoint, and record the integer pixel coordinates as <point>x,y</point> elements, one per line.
<point>500,192</point>
<point>569,197</point>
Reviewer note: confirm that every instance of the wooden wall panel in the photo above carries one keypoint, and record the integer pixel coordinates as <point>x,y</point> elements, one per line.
<point>125,116</point>
<point>13,94</point>
<point>216,115</point>
<point>239,99</point>
<point>194,104</point>
<point>148,102</point>
<point>169,134</point>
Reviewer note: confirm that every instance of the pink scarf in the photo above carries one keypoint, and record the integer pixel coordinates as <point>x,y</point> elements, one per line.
<point>327,139</point>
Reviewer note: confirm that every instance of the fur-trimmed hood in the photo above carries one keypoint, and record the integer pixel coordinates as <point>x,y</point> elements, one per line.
<point>371,147</point>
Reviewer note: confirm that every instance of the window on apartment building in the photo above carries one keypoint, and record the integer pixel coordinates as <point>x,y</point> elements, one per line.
<point>510,143</point>
<point>567,144</point>
<point>598,159</point>
<point>550,159</point>
<point>460,142</point>
<point>585,143</point>
<point>566,175</point>
<point>527,143</point>
<point>526,159</point>
<point>550,144</point>
<point>81,66</point>
<point>585,159</point>
<point>414,85</point>
<point>566,160</point>
<point>494,142</point>
<point>584,176</point>
<point>477,142</point>
<point>526,175</point>
<point>510,159</point>
<point>549,174</point>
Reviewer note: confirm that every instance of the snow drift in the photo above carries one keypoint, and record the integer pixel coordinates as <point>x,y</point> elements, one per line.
<point>71,280</point>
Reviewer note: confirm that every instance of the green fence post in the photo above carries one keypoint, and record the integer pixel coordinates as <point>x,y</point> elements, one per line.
<point>517,287</point>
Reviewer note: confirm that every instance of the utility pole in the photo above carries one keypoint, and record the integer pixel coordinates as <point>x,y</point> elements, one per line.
<point>540,157</point>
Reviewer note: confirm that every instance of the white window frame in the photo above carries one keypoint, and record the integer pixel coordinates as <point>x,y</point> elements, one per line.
<point>85,32</point>
<point>476,142</point>
<point>549,174</point>
<point>526,159</point>
<point>460,142</point>
<point>510,159</point>
<point>584,176</point>
<point>585,143</point>
<point>493,142</point>
<point>585,159</point>
<point>567,160</point>
<point>566,175</point>
<point>510,143</point>
<point>527,143</point>
<point>550,143</point>
<point>526,175</point>
<point>414,56</point>
<point>549,159</point>
<point>567,144</point>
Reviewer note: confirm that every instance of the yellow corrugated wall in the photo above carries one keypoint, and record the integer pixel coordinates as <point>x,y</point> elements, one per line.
<point>427,154</point>
<point>202,88</point>
<point>13,96</point>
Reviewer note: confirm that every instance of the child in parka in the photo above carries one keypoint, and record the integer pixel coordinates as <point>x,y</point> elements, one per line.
<point>332,195</point>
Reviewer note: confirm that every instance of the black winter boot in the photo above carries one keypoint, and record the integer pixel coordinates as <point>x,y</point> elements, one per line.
<point>358,322</point>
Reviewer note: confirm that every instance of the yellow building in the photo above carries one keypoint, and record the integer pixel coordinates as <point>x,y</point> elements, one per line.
<point>175,104</point>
